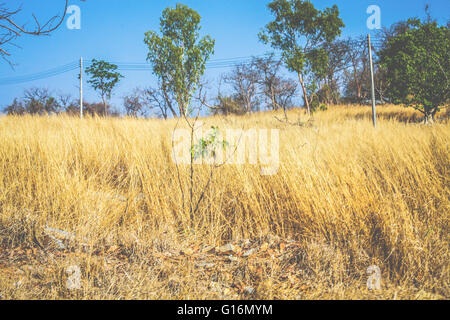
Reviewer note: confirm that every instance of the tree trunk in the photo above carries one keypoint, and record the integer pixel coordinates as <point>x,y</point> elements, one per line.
<point>181,109</point>
<point>104,106</point>
<point>305,95</point>
<point>249,105</point>
<point>285,114</point>
<point>429,115</point>
<point>428,118</point>
<point>168,102</point>
<point>359,93</point>
<point>272,97</point>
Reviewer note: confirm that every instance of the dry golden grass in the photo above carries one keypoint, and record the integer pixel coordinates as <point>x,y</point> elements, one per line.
<point>350,196</point>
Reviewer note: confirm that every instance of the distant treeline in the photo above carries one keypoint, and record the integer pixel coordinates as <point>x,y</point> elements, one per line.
<point>410,68</point>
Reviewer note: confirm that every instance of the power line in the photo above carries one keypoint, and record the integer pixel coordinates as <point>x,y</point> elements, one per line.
<point>212,64</point>
<point>40,75</point>
<point>139,66</point>
<point>122,66</point>
<point>74,65</point>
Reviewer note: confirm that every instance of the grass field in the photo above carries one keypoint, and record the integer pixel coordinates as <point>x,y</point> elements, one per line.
<point>345,197</point>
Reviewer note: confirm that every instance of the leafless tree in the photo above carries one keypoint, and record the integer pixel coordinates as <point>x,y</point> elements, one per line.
<point>357,76</point>
<point>279,92</point>
<point>160,101</point>
<point>244,82</point>
<point>41,101</point>
<point>65,101</point>
<point>11,28</point>
<point>387,33</point>
<point>285,91</point>
<point>224,104</point>
<point>268,69</point>
<point>338,61</point>
<point>134,104</point>
<point>149,101</point>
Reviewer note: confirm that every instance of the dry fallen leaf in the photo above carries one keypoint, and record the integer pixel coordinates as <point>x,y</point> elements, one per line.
<point>249,290</point>
<point>205,265</point>
<point>226,249</point>
<point>249,252</point>
<point>208,249</point>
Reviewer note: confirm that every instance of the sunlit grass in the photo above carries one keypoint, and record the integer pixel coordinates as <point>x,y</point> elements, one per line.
<point>352,195</point>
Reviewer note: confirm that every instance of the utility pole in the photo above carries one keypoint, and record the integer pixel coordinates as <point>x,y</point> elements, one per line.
<point>374,111</point>
<point>81,88</point>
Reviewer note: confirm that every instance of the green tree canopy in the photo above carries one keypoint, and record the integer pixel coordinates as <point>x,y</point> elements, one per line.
<point>417,66</point>
<point>299,30</point>
<point>178,55</point>
<point>103,78</point>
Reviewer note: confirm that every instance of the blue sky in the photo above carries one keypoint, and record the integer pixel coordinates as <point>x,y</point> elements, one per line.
<point>114,30</point>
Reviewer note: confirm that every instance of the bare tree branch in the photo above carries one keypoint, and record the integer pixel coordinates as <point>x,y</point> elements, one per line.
<point>11,29</point>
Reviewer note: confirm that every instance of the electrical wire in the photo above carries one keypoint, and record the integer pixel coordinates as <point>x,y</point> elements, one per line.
<point>40,75</point>
<point>144,66</point>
